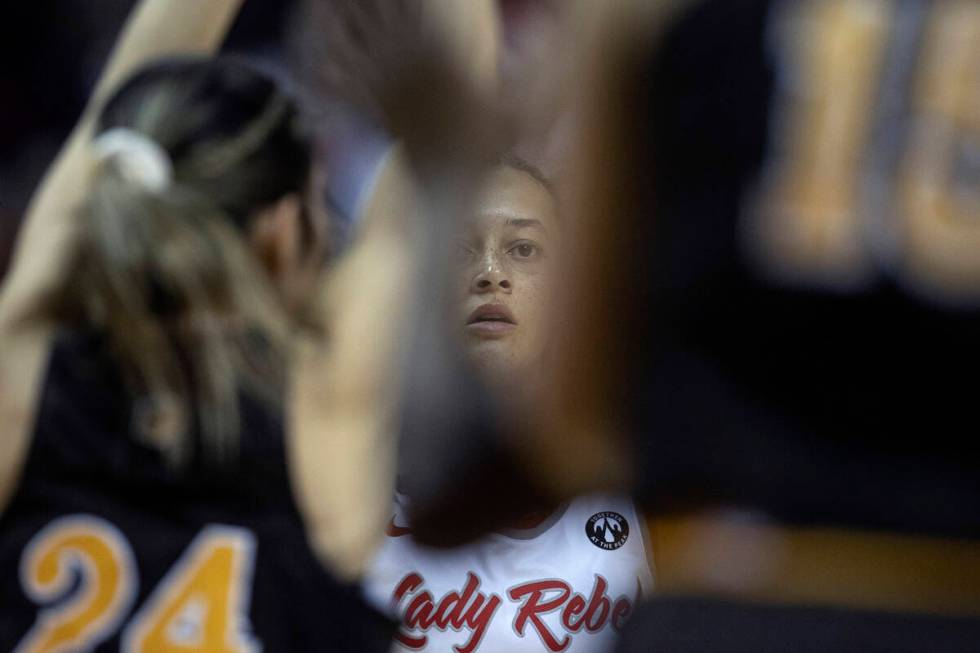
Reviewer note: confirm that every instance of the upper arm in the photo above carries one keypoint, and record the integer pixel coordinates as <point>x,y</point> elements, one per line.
<point>44,247</point>
<point>472,32</point>
<point>344,391</point>
<point>49,235</point>
<point>23,355</point>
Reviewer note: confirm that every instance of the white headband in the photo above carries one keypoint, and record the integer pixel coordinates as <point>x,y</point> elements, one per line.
<point>140,159</point>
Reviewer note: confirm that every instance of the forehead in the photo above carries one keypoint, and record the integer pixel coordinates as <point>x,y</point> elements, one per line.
<point>510,197</point>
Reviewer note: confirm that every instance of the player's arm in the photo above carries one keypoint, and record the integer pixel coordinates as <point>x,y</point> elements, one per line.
<point>49,234</point>
<point>156,28</point>
<point>346,390</point>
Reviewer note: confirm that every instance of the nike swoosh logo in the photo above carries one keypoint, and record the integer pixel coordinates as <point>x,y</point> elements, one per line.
<point>394,530</point>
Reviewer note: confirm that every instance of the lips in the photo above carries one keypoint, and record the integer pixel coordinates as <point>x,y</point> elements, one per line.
<point>491,321</point>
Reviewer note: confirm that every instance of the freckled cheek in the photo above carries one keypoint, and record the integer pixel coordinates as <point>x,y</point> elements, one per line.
<point>531,301</point>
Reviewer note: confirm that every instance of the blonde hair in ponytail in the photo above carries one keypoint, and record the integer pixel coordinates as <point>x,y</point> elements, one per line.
<point>168,274</point>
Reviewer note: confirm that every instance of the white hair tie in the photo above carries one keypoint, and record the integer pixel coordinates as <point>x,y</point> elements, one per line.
<point>140,159</point>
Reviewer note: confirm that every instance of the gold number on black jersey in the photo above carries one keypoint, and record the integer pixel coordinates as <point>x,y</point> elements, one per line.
<point>95,551</point>
<point>940,212</point>
<point>828,217</point>
<point>200,606</point>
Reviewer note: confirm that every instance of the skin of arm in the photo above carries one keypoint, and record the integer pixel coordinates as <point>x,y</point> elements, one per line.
<point>345,390</point>
<point>472,30</point>
<point>156,28</point>
<point>572,449</point>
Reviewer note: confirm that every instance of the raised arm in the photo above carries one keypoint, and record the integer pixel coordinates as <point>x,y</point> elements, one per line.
<point>156,28</point>
<point>346,391</point>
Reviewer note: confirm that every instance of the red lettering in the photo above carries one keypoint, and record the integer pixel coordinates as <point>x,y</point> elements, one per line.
<point>408,641</point>
<point>478,620</point>
<point>575,606</point>
<point>395,530</point>
<point>621,612</point>
<point>423,612</point>
<point>597,602</point>
<point>451,606</point>
<point>623,608</point>
<point>533,607</point>
<point>450,601</point>
<point>472,610</point>
<point>411,582</point>
<point>419,613</point>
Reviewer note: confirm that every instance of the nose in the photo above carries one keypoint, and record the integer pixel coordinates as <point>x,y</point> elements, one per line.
<point>491,277</point>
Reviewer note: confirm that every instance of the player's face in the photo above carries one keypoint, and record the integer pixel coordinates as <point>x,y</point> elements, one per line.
<point>507,253</point>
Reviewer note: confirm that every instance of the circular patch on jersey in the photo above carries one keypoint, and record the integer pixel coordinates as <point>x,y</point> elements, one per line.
<point>607,530</point>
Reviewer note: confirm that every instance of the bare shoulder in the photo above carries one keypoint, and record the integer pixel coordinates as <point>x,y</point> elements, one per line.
<point>23,354</point>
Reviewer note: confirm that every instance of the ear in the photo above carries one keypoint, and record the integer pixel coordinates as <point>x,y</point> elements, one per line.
<point>275,236</point>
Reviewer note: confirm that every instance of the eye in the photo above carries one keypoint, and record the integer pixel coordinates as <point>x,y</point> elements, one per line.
<point>525,250</point>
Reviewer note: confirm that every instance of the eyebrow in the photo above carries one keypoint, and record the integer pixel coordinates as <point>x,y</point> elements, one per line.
<point>522,223</point>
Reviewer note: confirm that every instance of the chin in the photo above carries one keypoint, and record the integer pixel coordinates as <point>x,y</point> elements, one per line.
<point>493,358</point>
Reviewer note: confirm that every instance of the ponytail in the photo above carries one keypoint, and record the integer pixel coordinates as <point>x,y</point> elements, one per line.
<point>171,282</point>
<point>188,151</point>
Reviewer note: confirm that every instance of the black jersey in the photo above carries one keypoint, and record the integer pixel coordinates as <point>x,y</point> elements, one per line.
<point>811,272</point>
<point>675,625</point>
<point>105,547</point>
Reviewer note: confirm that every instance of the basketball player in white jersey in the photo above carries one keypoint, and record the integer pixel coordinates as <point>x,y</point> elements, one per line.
<point>564,581</point>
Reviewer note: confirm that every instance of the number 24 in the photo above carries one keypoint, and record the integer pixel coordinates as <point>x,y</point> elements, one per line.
<point>199,606</point>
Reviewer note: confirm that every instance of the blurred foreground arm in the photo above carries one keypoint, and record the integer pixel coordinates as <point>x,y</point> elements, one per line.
<point>156,28</point>
<point>473,460</point>
<point>345,388</point>
<point>414,65</point>
<point>49,234</point>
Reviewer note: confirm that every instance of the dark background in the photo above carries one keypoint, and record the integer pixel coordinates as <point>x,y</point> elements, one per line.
<point>51,53</point>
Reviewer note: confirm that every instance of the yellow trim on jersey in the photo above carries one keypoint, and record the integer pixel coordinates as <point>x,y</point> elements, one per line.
<point>720,556</point>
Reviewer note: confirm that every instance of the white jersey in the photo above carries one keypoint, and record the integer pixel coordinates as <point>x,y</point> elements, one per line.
<point>568,584</point>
